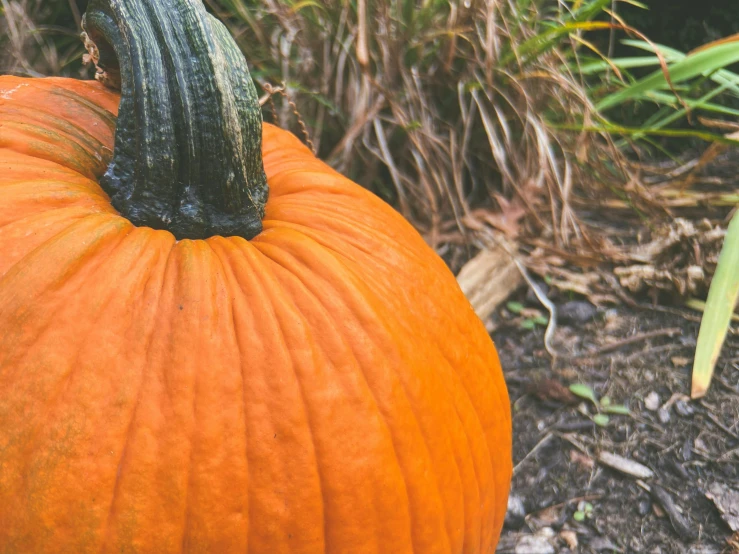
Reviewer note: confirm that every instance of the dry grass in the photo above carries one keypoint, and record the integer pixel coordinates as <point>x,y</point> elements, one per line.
<point>40,37</point>
<point>443,108</point>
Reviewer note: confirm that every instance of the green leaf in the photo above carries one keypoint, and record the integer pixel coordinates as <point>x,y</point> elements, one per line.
<point>621,63</point>
<point>617,409</point>
<point>583,391</point>
<point>704,61</point>
<point>515,307</point>
<point>528,324</point>
<point>601,420</point>
<point>722,298</point>
<point>578,516</point>
<point>636,4</point>
<point>306,4</point>
<point>546,40</point>
<point>605,401</point>
<point>639,131</point>
<point>652,47</point>
<point>658,121</point>
<point>723,76</point>
<point>590,9</point>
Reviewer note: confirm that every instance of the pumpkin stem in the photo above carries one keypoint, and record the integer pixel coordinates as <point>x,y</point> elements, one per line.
<point>188,145</point>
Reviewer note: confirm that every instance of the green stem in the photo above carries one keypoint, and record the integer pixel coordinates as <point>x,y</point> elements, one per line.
<point>188,146</point>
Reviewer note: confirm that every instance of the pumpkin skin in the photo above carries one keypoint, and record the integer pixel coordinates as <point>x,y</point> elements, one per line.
<point>322,388</point>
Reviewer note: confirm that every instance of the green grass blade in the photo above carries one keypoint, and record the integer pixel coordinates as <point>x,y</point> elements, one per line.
<point>548,39</point>
<point>669,100</point>
<point>704,61</point>
<point>590,68</point>
<point>589,10</point>
<point>666,51</point>
<point>699,305</point>
<point>722,297</point>
<point>646,131</point>
<point>722,76</point>
<point>659,120</point>
<point>584,391</point>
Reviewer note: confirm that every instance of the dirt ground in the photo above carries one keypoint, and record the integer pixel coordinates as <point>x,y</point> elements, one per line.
<point>564,496</point>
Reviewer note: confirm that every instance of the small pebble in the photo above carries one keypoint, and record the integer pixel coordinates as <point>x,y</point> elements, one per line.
<point>611,318</point>
<point>640,455</point>
<point>651,401</point>
<point>576,311</point>
<point>704,549</point>
<point>644,507</point>
<point>684,409</point>
<point>533,544</point>
<point>663,416</point>
<point>602,544</point>
<point>547,532</point>
<point>515,517</point>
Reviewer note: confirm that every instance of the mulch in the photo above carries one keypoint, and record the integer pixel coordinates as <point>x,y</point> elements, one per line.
<point>678,488</point>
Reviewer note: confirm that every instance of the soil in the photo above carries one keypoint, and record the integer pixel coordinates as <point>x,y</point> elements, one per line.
<point>563,499</point>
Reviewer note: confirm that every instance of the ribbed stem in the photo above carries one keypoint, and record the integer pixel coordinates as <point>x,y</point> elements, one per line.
<point>188,146</point>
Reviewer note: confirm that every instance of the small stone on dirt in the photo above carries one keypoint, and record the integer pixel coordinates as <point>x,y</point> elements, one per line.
<point>644,507</point>
<point>704,549</point>
<point>534,544</point>
<point>684,409</point>
<point>600,544</point>
<point>577,312</point>
<point>651,402</point>
<point>726,500</point>
<point>515,517</point>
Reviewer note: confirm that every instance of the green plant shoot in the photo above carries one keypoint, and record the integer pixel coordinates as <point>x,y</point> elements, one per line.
<point>722,297</point>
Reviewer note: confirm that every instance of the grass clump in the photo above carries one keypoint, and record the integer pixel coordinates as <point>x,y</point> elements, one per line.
<point>442,107</point>
<point>678,88</point>
<point>40,38</point>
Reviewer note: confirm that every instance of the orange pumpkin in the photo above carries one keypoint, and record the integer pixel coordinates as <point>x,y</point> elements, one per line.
<point>324,387</point>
